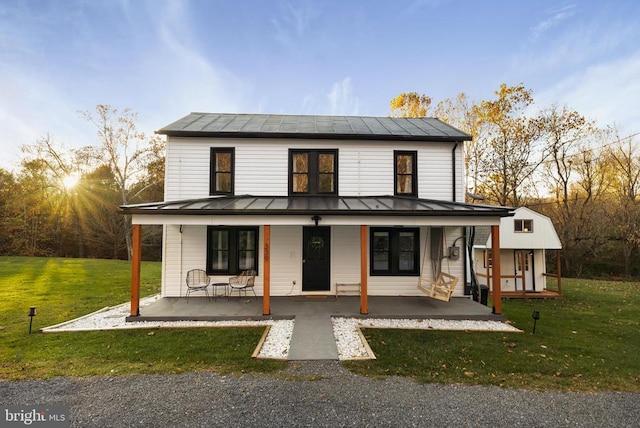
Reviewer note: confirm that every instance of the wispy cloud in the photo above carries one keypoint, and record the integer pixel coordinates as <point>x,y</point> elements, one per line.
<point>150,61</point>
<point>553,19</point>
<point>575,45</point>
<point>607,92</point>
<point>341,99</point>
<point>293,21</point>
<point>188,79</point>
<point>32,103</point>
<point>337,100</point>
<point>412,7</point>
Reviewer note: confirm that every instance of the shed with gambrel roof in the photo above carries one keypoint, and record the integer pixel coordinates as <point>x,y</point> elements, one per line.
<point>525,240</point>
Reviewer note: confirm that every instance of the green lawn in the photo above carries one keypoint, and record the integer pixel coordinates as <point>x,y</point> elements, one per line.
<point>587,341</point>
<point>63,289</point>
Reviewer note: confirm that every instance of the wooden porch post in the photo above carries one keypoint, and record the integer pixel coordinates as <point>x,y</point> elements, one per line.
<point>523,272</point>
<point>558,267</point>
<point>495,248</point>
<point>136,257</point>
<point>364,309</point>
<point>266,287</point>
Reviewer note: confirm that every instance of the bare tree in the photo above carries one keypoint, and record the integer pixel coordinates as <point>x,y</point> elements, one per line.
<point>461,113</point>
<point>126,151</point>
<point>625,164</point>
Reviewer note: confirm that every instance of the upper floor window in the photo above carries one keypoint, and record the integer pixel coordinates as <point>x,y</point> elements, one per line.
<point>522,225</point>
<point>222,171</point>
<point>313,172</point>
<point>406,173</point>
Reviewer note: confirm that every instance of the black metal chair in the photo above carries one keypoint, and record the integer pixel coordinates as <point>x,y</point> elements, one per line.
<point>197,280</point>
<point>243,282</point>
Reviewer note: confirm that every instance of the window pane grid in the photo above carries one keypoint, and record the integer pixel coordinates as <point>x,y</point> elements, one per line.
<point>220,250</point>
<point>381,251</point>
<point>300,173</point>
<point>231,250</point>
<point>405,173</point>
<point>313,172</point>
<point>221,173</point>
<point>394,251</point>
<point>246,252</point>
<point>524,226</point>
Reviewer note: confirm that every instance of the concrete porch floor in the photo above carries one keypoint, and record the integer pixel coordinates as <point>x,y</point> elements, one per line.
<point>240,308</point>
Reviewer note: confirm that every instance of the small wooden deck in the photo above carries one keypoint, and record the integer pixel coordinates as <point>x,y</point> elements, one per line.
<point>546,294</point>
<point>522,294</point>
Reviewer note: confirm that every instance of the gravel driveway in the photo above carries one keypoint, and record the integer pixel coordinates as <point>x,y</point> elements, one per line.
<point>313,393</point>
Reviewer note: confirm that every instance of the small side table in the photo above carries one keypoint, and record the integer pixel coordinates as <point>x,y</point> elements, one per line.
<point>215,285</point>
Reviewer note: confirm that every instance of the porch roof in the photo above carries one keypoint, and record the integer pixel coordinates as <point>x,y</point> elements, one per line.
<point>321,205</point>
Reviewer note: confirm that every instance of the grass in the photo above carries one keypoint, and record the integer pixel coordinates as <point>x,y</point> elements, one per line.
<point>63,289</point>
<point>587,341</point>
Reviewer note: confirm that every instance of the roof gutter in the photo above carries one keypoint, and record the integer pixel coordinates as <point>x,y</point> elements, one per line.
<point>368,213</point>
<point>453,170</point>
<point>310,136</point>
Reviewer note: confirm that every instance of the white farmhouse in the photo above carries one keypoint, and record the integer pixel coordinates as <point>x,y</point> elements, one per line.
<point>312,204</point>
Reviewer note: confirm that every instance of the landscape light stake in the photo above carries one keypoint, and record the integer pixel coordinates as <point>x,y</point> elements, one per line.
<point>536,317</point>
<point>32,313</point>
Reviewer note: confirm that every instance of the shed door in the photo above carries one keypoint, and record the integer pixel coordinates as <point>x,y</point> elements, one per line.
<point>524,264</point>
<point>316,258</point>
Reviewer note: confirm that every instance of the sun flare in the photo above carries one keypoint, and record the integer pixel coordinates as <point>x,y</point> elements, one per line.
<point>70,181</point>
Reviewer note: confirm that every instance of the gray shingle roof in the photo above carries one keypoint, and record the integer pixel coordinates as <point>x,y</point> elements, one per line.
<point>335,205</point>
<point>482,235</point>
<point>320,127</point>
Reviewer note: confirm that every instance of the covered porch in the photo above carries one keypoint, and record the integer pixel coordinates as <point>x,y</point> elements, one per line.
<point>279,223</point>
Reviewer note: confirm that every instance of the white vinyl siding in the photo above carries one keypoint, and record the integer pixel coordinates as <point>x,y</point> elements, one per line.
<point>261,167</point>
<point>345,255</point>
<point>182,252</point>
<point>286,260</point>
<point>434,173</point>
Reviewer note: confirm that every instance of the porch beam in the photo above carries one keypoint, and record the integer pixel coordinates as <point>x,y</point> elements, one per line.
<point>496,277</point>
<point>364,304</point>
<point>136,257</point>
<point>266,284</point>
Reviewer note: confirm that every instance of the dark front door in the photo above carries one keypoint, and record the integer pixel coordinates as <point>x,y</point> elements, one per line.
<point>316,256</point>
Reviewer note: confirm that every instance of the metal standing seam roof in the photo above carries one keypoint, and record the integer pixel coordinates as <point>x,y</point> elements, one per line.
<point>315,127</point>
<point>334,205</point>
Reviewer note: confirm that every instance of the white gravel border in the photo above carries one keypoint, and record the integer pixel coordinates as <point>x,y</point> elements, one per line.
<point>352,345</point>
<point>349,340</point>
<point>276,344</point>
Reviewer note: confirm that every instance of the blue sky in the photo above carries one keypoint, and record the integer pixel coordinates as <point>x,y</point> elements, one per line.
<point>166,58</point>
